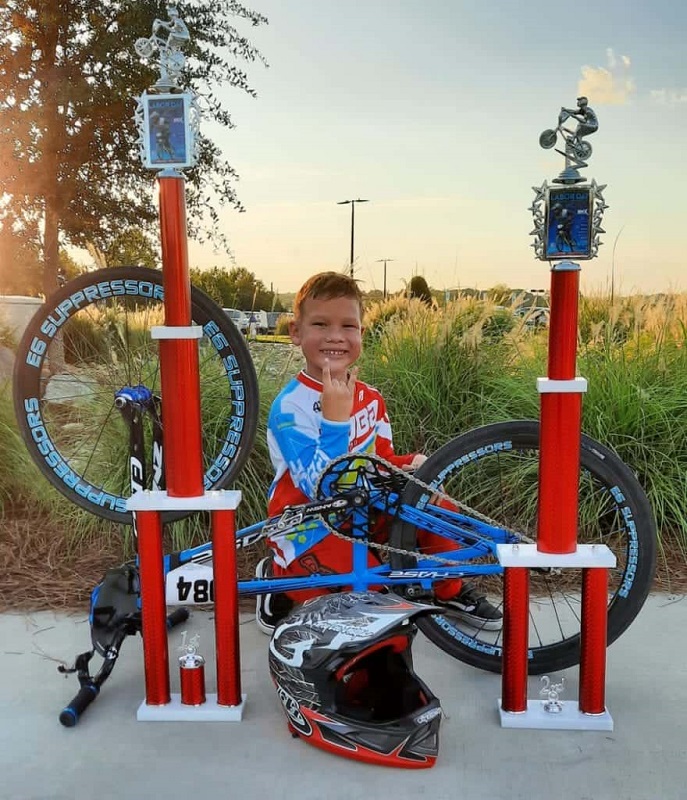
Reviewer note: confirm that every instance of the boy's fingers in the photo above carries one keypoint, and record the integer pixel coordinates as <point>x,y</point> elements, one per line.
<point>352,377</point>
<point>326,373</point>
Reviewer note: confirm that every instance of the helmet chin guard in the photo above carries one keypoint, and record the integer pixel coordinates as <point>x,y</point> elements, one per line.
<point>343,669</point>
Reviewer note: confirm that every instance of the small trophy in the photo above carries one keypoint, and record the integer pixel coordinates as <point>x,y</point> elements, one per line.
<point>551,695</point>
<point>192,672</point>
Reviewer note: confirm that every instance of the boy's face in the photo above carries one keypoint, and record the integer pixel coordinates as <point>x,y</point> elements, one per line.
<point>328,330</point>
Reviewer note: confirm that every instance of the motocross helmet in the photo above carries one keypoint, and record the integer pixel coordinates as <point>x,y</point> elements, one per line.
<point>343,669</point>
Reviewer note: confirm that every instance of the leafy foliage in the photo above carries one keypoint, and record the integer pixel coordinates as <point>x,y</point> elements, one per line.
<point>20,268</point>
<point>235,288</point>
<point>131,248</point>
<point>68,79</point>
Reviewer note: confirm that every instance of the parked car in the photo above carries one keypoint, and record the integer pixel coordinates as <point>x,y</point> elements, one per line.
<point>260,319</point>
<point>239,318</point>
<point>534,316</point>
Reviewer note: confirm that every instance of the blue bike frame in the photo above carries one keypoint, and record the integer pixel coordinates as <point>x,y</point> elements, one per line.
<point>471,539</point>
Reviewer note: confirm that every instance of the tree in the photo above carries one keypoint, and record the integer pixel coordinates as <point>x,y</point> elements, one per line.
<point>20,269</point>
<point>69,268</point>
<point>418,288</point>
<point>132,247</point>
<point>69,154</point>
<point>500,294</point>
<point>236,288</point>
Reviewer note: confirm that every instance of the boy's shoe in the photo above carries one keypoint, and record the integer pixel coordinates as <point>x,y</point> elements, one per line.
<point>474,608</point>
<point>272,607</point>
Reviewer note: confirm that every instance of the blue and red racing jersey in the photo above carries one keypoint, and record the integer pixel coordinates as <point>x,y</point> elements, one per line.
<point>301,444</point>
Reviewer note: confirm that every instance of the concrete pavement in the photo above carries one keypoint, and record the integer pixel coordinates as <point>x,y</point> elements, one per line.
<point>111,755</point>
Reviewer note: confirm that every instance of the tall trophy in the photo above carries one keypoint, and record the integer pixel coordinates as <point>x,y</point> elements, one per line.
<point>567,225</point>
<point>567,217</point>
<point>167,117</point>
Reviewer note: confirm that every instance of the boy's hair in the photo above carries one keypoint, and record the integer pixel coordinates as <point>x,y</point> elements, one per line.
<point>327,285</point>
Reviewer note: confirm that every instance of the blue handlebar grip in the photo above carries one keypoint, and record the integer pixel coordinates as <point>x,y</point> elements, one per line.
<point>69,715</point>
<point>177,617</point>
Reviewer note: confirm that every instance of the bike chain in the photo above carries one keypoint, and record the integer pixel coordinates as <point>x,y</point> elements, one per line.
<point>408,477</point>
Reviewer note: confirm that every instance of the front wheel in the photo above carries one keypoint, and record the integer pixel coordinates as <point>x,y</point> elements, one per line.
<point>548,139</point>
<point>89,341</point>
<point>494,469</point>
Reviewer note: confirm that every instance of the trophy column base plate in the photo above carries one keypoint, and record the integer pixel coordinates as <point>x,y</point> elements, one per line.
<point>176,711</point>
<point>569,718</point>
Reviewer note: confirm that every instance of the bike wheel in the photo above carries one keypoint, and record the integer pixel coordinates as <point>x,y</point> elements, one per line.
<point>583,150</point>
<point>547,139</point>
<point>90,340</point>
<point>494,469</point>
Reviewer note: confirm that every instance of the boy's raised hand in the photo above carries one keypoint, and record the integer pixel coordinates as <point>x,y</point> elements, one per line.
<point>337,395</point>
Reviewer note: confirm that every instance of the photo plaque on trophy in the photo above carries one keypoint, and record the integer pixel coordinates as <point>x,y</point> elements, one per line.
<point>568,228</point>
<point>167,131</point>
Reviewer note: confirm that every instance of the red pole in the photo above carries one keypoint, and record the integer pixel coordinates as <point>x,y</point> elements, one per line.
<point>175,273</point>
<point>559,452</point>
<point>153,608</point>
<point>180,380</point>
<point>594,639</point>
<point>226,608</point>
<point>565,282</point>
<point>183,449</point>
<point>516,596</point>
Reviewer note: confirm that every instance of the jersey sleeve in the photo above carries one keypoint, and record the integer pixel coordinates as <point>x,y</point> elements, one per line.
<point>307,444</point>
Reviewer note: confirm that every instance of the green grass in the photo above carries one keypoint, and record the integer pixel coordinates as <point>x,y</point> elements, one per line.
<point>445,372</point>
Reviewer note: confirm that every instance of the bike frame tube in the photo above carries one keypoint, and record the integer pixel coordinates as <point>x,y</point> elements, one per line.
<point>425,572</point>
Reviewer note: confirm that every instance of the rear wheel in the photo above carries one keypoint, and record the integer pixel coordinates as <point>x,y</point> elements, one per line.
<point>90,340</point>
<point>494,470</point>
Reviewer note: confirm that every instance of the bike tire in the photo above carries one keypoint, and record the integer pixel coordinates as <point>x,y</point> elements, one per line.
<point>494,469</point>
<point>583,150</point>
<point>547,139</point>
<point>97,326</point>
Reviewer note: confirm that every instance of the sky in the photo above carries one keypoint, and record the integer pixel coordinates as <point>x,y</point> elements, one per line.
<point>432,112</point>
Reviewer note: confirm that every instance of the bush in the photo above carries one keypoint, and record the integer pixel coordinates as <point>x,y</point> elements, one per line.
<point>281,327</point>
<point>7,337</point>
<point>444,372</point>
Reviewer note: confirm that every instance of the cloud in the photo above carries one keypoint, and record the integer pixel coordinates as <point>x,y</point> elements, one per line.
<point>609,85</point>
<point>669,97</point>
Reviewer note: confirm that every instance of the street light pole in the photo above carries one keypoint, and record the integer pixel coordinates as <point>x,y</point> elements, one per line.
<point>385,262</point>
<point>352,204</point>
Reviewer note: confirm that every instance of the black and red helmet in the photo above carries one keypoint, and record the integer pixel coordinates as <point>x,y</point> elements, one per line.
<point>343,668</point>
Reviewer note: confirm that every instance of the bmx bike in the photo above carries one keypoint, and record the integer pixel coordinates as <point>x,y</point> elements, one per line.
<point>575,147</point>
<point>87,399</point>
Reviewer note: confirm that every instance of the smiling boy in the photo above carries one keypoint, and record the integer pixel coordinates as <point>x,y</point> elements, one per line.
<point>322,413</point>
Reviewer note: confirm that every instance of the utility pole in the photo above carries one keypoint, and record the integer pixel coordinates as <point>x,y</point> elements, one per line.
<point>352,204</point>
<point>384,260</point>
<point>613,265</point>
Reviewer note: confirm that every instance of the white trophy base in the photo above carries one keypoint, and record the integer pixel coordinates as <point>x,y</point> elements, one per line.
<point>569,718</point>
<point>176,711</point>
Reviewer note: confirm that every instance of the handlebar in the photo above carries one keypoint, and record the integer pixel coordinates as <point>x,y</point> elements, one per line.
<point>177,617</point>
<point>70,714</point>
<point>90,687</point>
